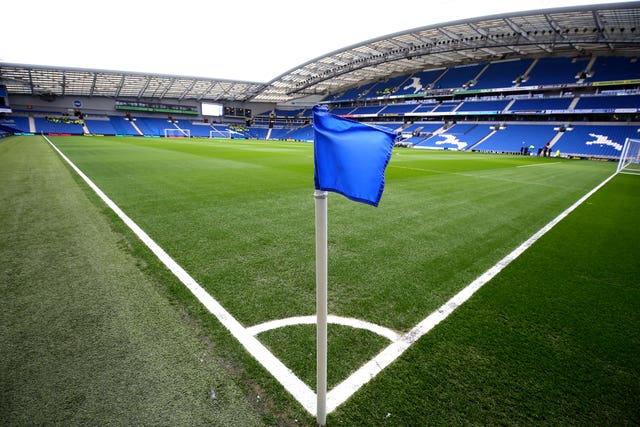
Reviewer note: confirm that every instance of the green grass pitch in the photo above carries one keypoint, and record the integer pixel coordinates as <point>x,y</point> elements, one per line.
<point>553,339</point>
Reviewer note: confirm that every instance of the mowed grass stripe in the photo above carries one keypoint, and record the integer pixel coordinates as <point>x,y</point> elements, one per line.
<point>88,338</point>
<point>247,235</point>
<point>552,340</point>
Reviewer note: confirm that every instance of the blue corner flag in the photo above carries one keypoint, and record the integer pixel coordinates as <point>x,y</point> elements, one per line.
<point>350,157</point>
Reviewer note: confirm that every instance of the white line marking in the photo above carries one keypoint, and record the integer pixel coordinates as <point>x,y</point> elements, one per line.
<point>284,375</point>
<point>299,390</point>
<point>367,372</point>
<point>335,320</point>
<point>538,164</point>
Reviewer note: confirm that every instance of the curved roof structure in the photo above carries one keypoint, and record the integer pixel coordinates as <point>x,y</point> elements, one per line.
<point>60,81</point>
<point>610,29</point>
<point>605,29</point>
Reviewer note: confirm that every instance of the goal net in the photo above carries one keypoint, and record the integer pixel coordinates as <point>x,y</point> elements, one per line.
<point>177,133</point>
<point>630,157</point>
<point>219,134</point>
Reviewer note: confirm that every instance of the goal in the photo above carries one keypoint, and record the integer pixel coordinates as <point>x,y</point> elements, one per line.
<point>220,134</point>
<point>177,133</point>
<point>630,157</point>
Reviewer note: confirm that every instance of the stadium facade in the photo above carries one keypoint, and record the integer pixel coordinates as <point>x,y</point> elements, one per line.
<point>561,80</point>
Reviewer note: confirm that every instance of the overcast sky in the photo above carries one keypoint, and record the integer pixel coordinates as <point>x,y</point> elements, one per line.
<point>229,39</point>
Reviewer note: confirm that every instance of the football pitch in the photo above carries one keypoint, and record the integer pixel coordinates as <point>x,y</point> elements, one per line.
<point>552,339</point>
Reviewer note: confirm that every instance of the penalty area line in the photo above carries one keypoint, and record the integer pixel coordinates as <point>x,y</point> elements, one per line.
<point>294,385</point>
<point>538,164</point>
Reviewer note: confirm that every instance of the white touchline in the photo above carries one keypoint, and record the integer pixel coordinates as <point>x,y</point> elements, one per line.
<point>284,375</point>
<point>340,393</point>
<point>298,389</point>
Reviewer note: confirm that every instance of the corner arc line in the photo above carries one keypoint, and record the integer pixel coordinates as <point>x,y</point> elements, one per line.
<point>335,320</point>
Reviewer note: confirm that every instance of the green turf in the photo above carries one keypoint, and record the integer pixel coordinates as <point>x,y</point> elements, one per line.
<point>238,216</point>
<point>554,339</point>
<point>87,337</point>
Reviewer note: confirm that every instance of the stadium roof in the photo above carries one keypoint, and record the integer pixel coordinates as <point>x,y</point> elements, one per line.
<point>605,29</point>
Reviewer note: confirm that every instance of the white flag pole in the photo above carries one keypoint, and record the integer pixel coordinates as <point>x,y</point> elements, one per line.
<point>321,305</point>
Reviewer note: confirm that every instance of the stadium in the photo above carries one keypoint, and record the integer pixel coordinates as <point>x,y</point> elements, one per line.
<point>158,259</point>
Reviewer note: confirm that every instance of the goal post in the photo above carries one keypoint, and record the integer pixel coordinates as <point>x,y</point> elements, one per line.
<point>177,133</point>
<point>630,157</point>
<point>219,134</point>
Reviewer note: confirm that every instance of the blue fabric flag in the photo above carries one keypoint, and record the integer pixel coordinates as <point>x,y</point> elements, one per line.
<point>350,157</point>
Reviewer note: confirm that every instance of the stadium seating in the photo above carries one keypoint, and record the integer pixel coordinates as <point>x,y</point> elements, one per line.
<point>608,102</point>
<point>354,94</point>
<point>122,126</point>
<point>287,113</point>
<point>387,87</point>
<point>484,106</point>
<point>458,137</point>
<point>45,125</point>
<point>398,109</point>
<point>426,107</point>
<point>514,137</point>
<point>458,77</point>
<point>602,141</point>
<point>550,71</point>
<point>423,128</point>
<point>609,68</point>
<point>100,127</point>
<point>502,74</point>
<point>540,104</point>
<point>304,133</point>
<point>446,106</point>
<point>418,82</point>
<point>367,110</point>
<point>342,111</point>
<point>152,126</point>
<point>15,123</point>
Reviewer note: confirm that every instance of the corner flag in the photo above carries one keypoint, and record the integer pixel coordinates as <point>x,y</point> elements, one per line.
<point>350,157</point>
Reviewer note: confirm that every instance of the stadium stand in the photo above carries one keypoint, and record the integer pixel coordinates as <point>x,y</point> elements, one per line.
<point>484,106</point>
<point>457,137</point>
<point>611,68</point>
<point>446,106</point>
<point>502,74</point>
<point>15,124</point>
<point>601,141</point>
<point>426,107</point>
<point>523,92</point>
<point>100,126</point>
<point>517,138</point>
<point>122,126</point>
<point>608,102</point>
<point>398,109</point>
<point>537,105</point>
<point>366,110</point>
<point>418,82</point>
<point>52,125</point>
<point>387,87</point>
<point>459,76</point>
<point>553,71</point>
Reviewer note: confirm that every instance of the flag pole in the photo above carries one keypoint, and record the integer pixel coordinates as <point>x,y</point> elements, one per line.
<point>321,305</point>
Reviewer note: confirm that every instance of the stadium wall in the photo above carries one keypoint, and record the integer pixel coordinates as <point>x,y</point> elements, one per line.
<point>100,105</point>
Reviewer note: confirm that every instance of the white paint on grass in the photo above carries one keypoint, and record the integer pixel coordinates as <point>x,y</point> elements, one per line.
<point>399,343</point>
<point>284,375</point>
<point>366,373</point>
<point>538,164</point>
<point>334,320</point>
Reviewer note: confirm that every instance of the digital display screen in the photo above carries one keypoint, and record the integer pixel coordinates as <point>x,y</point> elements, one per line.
<point>212,109</point>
